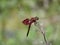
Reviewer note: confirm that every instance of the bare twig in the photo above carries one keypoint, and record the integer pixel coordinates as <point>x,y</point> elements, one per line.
<point>41,29</point>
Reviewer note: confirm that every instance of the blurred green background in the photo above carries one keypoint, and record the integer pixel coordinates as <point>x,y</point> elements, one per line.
<point>13,12</point>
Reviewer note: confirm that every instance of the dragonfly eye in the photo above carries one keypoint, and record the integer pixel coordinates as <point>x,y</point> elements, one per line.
<point>26,21</point>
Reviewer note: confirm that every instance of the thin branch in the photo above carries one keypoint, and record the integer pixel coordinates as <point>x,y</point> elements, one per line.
<point>41,29</point>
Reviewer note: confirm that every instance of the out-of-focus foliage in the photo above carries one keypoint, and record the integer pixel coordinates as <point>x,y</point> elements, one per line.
<point>13,12</point>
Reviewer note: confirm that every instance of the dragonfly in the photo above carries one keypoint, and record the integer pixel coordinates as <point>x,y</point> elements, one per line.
<point>29,22</point>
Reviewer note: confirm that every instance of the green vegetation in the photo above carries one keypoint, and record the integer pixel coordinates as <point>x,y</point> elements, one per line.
<point>13,12</point>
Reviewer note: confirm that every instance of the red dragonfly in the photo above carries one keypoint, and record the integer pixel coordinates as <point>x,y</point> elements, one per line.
<point>29,22</point>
